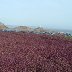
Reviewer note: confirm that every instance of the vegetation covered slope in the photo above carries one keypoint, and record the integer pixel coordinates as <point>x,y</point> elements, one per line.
<point>28,52</point>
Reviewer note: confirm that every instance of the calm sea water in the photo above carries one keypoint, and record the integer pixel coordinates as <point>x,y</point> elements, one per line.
<point>65,31</point>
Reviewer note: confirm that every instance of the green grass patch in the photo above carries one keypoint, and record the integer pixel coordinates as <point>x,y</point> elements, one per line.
<point>68,37</point>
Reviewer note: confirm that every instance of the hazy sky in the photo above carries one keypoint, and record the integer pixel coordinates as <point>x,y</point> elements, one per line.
<point>47,13</point>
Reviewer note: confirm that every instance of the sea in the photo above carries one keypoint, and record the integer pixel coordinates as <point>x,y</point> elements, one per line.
<point>64,30</point>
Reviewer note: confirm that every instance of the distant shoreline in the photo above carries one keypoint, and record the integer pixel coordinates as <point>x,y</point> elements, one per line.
<point>11,27</point>
<point>57,30</point>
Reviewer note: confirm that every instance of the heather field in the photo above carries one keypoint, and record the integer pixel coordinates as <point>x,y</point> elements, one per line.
<point>28,52</point>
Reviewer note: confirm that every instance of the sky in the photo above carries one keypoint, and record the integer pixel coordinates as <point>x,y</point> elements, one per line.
<point>44,13</point>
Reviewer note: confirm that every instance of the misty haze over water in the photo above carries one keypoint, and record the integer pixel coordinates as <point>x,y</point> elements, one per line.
<point>57,30</point>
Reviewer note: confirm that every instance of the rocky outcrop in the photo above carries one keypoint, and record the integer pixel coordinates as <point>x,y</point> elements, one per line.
<point>2,26</point>
<point>39,30</point>
<point>23,28</point>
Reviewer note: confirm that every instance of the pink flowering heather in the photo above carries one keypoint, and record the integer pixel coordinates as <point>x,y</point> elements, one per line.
<point>28,52</point>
